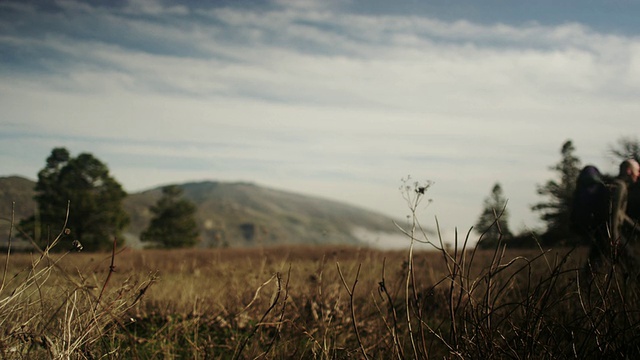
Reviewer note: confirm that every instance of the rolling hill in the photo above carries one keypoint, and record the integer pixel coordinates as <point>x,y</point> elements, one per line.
<point>236,214</point>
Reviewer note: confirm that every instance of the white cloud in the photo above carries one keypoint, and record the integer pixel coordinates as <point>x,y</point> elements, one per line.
<point>154,7</point>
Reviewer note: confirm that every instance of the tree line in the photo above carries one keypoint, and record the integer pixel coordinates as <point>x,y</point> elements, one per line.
<point>79,195</point>
<point>555,208</point>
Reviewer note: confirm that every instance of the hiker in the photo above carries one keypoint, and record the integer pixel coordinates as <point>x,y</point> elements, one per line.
<point>623,227</point>
<point>614,240</point>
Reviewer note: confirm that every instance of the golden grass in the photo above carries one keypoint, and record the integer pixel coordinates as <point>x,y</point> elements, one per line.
<point>319,303</point>
<point>282,302</point>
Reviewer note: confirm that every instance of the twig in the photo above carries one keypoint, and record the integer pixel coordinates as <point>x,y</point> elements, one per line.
<point>281,318</point>
<point>351,306</point>
<point>260,323</point>
<point>394,315</point>
<point>112,269</point>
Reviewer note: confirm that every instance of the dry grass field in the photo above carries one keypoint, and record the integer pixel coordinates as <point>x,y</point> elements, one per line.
<point>314,303</point>
<point>454,302</point>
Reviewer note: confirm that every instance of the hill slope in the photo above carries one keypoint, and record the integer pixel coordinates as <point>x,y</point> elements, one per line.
<point>246,214</point>
<point>16,196</point>
<point>235,214</point>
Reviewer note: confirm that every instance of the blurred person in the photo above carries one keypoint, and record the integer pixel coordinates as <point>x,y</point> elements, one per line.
<point>615,240</point>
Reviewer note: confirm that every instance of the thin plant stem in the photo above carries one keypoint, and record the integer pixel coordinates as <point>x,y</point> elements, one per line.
<point>6,262</point>
<point>352,307</point>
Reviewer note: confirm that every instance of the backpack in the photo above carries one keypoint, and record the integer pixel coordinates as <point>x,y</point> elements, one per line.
<point>591,201</point>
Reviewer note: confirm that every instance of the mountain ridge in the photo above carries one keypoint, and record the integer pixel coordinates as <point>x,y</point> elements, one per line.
<point>236,214</point>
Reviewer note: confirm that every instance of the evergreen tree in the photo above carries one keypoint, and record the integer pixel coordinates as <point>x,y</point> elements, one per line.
<point>494,219</point>
<point>173,224</point>
<point>93,198</point>
<point>556,212</point>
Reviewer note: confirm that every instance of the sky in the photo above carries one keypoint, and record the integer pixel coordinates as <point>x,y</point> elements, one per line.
<point>335,98</point>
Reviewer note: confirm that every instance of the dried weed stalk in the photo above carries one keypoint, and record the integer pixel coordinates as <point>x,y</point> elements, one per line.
<point>46,311</point>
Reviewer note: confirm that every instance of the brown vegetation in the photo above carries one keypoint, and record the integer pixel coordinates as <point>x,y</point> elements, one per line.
<point>301,302</point>
<point>318,303</point>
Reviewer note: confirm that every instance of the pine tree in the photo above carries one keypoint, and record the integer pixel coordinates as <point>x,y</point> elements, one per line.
<point>173,224</point>
<point>556,212</point>
<point>493,222</point>
<point>93,198</point>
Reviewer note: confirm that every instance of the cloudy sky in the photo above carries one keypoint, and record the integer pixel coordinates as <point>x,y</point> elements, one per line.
<point>334,98</point>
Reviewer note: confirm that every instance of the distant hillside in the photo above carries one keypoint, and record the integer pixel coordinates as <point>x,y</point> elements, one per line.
<point>234,214</point>
<point>243,214</point>
<point>16,195</point>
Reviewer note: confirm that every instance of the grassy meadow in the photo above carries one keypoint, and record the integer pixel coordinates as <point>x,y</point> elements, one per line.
<point>317,302</point>
<point>314,303</point>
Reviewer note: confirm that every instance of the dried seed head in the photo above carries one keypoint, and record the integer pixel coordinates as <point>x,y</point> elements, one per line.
<point>76,245</point>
